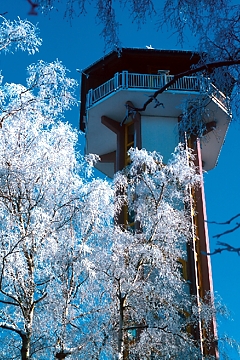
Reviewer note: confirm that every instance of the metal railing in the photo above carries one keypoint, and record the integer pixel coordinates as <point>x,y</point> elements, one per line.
<point>126,80</point>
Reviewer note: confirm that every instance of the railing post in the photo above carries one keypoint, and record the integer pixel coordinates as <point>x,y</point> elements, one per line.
<point>165,78</point>
<point>125,79</point>
<point>116,85</point>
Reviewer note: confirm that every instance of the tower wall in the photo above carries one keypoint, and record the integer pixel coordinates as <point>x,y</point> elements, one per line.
<point>160,134</point>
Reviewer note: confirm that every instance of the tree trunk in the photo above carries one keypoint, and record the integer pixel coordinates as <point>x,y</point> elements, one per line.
<point>25,349</point>
<point>120,331</point>
<point>62,355</point>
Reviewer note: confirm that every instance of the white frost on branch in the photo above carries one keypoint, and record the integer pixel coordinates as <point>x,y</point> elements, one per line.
<point>49,92</point>
<point>19,35</point>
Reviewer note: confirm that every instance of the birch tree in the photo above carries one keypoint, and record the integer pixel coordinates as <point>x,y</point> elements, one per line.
<point>36,155</point>
<point>43,252</point>
<point>49,213</point>
<point>149,309</point>
<point>32,215</point>
<point>75,299</point>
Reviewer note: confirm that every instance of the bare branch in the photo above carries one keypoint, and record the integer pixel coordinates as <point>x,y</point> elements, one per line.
<point>12,328</point>
<point>225,222</point>
<point>226,247</point>
<point>227,231</point>
<point>209,67</point>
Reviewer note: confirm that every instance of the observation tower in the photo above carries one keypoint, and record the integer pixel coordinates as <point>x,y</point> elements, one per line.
<point>113,92</point>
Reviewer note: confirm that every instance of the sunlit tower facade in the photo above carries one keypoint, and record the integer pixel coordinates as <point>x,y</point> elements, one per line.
<point>124,80</point>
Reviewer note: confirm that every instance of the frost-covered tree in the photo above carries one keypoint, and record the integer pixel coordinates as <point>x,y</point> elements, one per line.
<point>149,312</point>
<point>75,299</point>
<point>34,196</point>
<point>50,215</point>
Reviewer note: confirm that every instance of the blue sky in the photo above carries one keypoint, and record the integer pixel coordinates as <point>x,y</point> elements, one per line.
<point>78,45</point>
